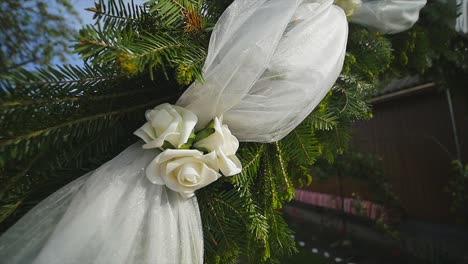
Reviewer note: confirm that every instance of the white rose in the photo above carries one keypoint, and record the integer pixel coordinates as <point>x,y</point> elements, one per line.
<point>183,170</point>
<point>167,122</point>
<point>348,5</point>
<point>225,145</point>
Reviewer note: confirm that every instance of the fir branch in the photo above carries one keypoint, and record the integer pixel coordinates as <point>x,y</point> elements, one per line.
<point>101,45</point>
<point>190,69</point>
<point>70,123</point>
<point>180,13</point>
<point>301,145</point>
<point>270,193</point>
<point>74,128</point>
<point>7,210</point>
<point>250,157</point>
<point>322,120</point>
<point>55,167</point>
<point>55,82</point>
<point>24,103</point>
<point>115,12</point>
<point>286,187</point>
<point>334,142</point>
<point>224,231</point>
<point>372,52</point>
<point>281,238</point>
<point>13,180</point>
<point>136,52</point>
<point>350,98</point>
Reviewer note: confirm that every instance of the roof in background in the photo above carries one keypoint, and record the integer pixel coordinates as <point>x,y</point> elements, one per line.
<point>400,84</point>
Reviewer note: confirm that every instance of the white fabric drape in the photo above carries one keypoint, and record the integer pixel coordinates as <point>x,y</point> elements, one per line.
<point>388,16</point>
<point>113,215</point>
<point>270,62</point>
<point>462,20</point>
<point>268,70</point>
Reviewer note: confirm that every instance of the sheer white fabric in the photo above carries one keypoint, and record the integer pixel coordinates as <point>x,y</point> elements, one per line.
<point>462,20</point>
<point>113,215</point>
<point>270,62</point>
<point>269,68</point>
<point>388,16</point>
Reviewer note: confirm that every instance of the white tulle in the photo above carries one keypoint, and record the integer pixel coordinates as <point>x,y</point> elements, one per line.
<point>388,16</point>
<point>113,215</point>
<point>462,20</point>
<point>269,64</point>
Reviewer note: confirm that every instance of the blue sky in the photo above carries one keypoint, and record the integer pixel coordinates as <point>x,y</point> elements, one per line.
<point>86,17</point>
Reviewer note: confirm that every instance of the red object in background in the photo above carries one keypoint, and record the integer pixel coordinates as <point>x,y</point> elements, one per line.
<point>368,208</point>
<point>396,252</point>
<point>342,231</point>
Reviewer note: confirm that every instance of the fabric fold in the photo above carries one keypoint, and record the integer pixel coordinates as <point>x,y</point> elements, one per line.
<point>388,16</point>
<point>269,66</point>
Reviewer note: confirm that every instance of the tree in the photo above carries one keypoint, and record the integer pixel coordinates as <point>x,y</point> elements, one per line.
<point>33,32</point>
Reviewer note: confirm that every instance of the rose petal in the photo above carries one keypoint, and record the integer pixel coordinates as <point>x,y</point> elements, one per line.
<point>231,144</point>
<point>153,173</point>
<point>172,183</point>
<point>213,141</point>
<point>208,176</point>
<point>159,141</point>
<point>174,139</point>
<point>211,160</point>
<point>170,123</point>
<point>177,163</point>
<point>145,132</point>
<point>237,162</point>
<point>161,121</point>
<point>174,179</point>
<point>188,175</point>
<point>163,106</point>
<point>176,153</point>
<point>190,120</point>
<point>229,166</point>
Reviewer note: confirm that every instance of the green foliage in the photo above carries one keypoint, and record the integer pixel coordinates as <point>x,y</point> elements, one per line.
<point>61,122</point>
<point>457,189</point>
<point>301,145</point>
<point>34,32</point>
<point>371,52</point>
<point>433,49</point>
<point>183,13</point>
<point>138,40</point>
<point>68,101</point>
<point>420,48</point>
<point>118,14</point>
<point>242,220</point>
<point>58,123</point>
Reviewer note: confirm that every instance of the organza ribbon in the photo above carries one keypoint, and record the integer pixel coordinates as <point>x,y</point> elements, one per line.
<point>388,16</point>
<point>269,65</point>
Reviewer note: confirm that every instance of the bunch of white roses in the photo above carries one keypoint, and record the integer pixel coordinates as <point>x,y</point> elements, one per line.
<point>189,160</point>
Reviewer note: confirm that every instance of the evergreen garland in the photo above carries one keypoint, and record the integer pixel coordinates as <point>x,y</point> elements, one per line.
<point>60,122</point>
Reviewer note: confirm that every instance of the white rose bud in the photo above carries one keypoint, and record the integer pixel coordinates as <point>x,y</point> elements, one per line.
<point>167,122</point>
<point>183,170</point>
<point>225,145</point>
